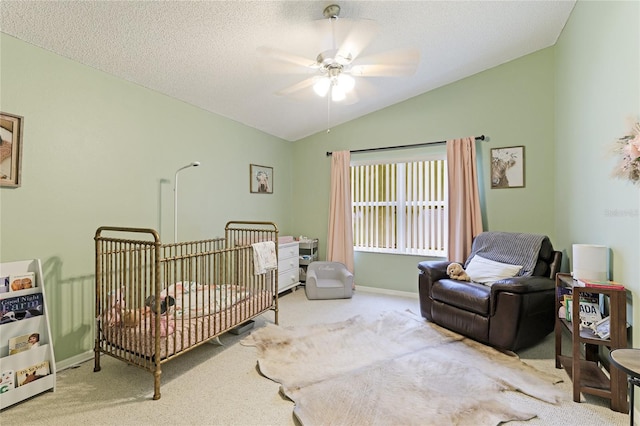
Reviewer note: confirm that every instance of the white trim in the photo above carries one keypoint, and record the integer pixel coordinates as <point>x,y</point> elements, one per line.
<point>74,360</point>
<point>366,289</point>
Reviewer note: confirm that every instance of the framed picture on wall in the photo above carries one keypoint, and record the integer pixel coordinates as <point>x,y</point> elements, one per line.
<point>10,149</point>
<point>261,179</point>
<point>507,167</point>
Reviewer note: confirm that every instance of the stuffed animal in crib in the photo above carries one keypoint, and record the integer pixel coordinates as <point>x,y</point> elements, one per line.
<point>116,307</point>
<point>167,320</point>
<point>166,303</point>
<point>133,317</point>
<point>457,272</point>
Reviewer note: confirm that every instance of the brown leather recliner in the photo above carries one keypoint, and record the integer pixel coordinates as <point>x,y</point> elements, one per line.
<point>510,314</point>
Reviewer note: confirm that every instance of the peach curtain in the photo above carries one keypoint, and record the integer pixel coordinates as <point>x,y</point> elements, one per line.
<point>465,218</point>
<point>340,239</point>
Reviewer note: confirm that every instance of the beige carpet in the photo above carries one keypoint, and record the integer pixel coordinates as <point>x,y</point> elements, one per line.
<point>220,385</point>
<point>395,369</point>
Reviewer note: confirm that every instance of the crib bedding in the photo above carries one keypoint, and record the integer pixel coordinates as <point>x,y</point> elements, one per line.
<point>184,328</point>
<point>193,299</point>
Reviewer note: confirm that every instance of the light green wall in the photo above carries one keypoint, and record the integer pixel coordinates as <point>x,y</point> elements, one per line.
<point>99,150</point>
<point>511,104</point>
<point>597,88</point>
<point>102,151</point>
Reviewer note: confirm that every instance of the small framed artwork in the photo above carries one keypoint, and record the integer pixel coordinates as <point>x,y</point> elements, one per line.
<point>261,179</point>
<point>10,149</point>
<point>507,167</point>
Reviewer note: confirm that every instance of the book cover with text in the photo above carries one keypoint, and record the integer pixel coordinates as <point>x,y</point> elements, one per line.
<point>589,308</point>
<point>22,343</point>
<point>30,374</point>
<point>21,307</point>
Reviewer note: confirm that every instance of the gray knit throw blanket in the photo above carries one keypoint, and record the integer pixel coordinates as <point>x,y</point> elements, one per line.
<point>509,247</point>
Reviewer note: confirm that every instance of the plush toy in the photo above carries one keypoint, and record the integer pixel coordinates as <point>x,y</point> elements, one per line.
<point>166,302</point>
<point>167,321</point>
<point>116,307</point>
<point>133,317</point>
<point>456,272</point>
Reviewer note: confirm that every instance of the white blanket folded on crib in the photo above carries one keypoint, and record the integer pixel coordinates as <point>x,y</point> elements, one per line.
<point>264,257</point>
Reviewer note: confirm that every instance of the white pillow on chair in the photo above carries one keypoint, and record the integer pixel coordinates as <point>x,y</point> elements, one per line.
<point>485,271</point>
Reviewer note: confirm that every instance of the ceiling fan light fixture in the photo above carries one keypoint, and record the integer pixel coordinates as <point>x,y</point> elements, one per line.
<point>337,93</point>
<point>321,86</point>
<point>346,82</point>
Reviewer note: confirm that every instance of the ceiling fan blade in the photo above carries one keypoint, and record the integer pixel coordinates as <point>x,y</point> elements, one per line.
<point>344,35</point>
<point>296,88</point>
<point>387,64</point>
<point>281,62</point>
<point>357,38</point>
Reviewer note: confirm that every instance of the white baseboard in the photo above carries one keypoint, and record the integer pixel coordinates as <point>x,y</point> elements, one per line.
<point>386,291</point>
<point>74,360</point>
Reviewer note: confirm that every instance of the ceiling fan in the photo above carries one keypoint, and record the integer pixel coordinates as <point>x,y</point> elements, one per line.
<point>335,70</point>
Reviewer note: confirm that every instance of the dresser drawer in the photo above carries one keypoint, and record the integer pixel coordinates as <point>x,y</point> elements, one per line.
<point>288,263</point>
<point>288,266</point>
<point>288,278</point>
<point>289,250</point>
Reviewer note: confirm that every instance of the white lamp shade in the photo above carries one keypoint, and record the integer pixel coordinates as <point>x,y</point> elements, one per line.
<point>346,82</point>
<point>590,262</point>
<point>337,93</point>
<point>321,86</point>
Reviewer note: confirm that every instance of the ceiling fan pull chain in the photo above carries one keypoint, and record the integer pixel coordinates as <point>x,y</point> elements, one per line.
<point>328,114</point>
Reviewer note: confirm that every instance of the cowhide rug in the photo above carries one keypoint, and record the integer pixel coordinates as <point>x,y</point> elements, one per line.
<point>395,370</point>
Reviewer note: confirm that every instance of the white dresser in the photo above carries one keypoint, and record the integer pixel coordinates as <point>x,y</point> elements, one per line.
<point>288,266</point>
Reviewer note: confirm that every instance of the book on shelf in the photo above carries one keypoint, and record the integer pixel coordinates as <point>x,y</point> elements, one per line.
<point>602,328</point>
<point>22,343</point>
<point>22,281</point>
<point>600,284</point>
<point>589,308</point>
<point>4,284</point>
<point>30,374</point>
<point>21,307</point>
<point>562,291</point>
<point>6,381</point>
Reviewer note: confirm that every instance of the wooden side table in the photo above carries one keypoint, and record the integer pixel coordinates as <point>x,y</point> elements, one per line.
<point>628,360</point>
<point>586,371</point>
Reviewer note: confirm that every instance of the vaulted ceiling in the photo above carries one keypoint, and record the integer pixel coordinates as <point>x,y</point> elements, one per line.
<point>211,53</point>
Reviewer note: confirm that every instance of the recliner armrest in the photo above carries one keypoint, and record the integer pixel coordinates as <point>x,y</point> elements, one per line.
<point>523,285</point>
<point>434,269</point>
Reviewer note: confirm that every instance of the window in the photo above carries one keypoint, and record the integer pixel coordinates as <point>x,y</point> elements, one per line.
<point>400,207</point>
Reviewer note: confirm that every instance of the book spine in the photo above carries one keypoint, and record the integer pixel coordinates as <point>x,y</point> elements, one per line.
<point>592,284</point>
<point>609,286</point>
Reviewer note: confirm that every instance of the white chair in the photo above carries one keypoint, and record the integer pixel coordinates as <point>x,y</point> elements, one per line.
<point>328,280</point>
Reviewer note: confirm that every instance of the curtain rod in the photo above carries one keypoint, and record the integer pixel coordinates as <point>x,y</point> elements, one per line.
<point>478,138</point>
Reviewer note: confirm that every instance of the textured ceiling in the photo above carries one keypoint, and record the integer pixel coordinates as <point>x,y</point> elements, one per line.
<point>206,52</point>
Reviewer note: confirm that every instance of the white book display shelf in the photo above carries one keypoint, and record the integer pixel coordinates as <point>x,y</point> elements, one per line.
<point>24,313</point>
